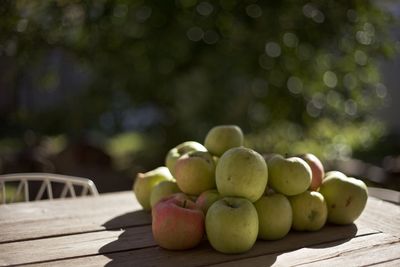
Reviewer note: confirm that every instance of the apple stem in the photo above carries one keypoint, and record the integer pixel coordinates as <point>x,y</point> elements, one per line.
<point>184,204</point>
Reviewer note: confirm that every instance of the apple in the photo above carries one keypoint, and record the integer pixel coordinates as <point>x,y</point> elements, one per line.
<point>335,173</point>
<point>309,211</point>
<point>177,223</point>
<point>223,137</point>
<point>179,150</point>
<point>289,176</point>
<point>145,182</point>
<point>195,172</point>
<point>346,197</point>
<point>241,172</point>
<point>274,216</point>
<point>317,170</point>
<point>207,198</point>
<point>162,190</point>
<point>232,225</point>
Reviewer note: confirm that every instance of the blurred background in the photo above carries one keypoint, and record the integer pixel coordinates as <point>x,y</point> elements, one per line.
<point>103,89</point>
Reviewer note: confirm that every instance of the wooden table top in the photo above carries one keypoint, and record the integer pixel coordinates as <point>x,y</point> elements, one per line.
<point>112,229</point>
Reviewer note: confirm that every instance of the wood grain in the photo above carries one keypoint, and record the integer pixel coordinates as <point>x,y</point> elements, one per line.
<point>326,253</point>
<point>382,216</point>
<point>55,218</point>
<point>47,249</point>
<point>202,255</point>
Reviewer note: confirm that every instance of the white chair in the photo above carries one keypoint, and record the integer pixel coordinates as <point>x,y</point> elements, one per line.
<point>71,186</point>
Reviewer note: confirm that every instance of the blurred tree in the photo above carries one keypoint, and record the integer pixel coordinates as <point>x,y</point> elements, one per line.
<point>295,75</point>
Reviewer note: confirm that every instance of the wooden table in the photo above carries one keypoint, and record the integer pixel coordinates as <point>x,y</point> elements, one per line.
<point>112,229</point>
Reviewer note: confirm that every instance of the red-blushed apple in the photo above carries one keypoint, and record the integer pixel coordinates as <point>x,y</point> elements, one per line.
<point>195,172</point>
<point>346,197</point>
<point>241,172</point>
<point>163,190</point>
<point>175,153</point>
<point>145,182</point>
<point>207,198</point>
<point>223,137</point>
<point>309,211</point>
<point>317,170</point>
<point>177,223</point>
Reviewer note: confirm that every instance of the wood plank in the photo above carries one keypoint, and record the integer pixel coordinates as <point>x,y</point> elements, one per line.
<point>64,208</point>
<point>25,221</point>
<point>323,253</point>
<point>388,263</point>
<point>363,257</point>
<point>93,243</point>
<point>381,215</point>
<point>75,245</point>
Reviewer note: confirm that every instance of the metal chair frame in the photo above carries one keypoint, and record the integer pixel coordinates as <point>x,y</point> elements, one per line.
<point>23,179</point>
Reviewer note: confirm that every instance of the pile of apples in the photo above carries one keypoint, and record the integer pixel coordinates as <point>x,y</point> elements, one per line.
<point>234,196</point>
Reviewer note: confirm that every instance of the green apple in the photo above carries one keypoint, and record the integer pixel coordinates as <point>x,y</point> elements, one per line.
<point>232,225</point>
<point>223,137</point>
<point>274,216</point>
<point>309,211</point>
<point>195,172</point>
<point>145,182</point>
<point>179,150</point>
<point>207,198</point>
<point>162,190</point>
<point>335,173</point>
<point>346,198</point>
<point>241,172</point>
<point>289,176</point>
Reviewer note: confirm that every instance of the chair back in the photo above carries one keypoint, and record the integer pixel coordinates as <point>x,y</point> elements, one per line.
<point>18,187</point>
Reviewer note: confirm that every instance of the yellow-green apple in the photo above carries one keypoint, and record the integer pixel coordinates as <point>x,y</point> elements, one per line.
<point>335,173</point>
<point>207,198</point>
<point>289,176</point>
<point>309,211</point>
<point>223,137</point>
<point>346,198</point>
<point>195,172</point>
<point>232,225</point>
<point>145,182</point>
<point>163,190</point>
<point>274,216</point>
<point>177,223</point>
<point>179,150</point>
<point>317,170</point>
<point>241,172</point>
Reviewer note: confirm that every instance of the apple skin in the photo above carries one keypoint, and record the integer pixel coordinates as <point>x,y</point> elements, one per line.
<point>289,176</point>
<point>175,153</point>
<point>335,173</point>
<point>177,223</point>
<point>317,170</point>
<point>241,172</point>
<point>163,190</point>
<point>195,172</point>
<point>145,182</point>
<point>232,225</point>
<point>274,216</point>
<point>223,137</point>
<point>346,198</point>
<point>207,198</point>
<point>309,211</point>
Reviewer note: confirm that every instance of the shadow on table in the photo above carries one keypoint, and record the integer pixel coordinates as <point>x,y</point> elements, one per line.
<point>344,233</point>
<point>136,246</point>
